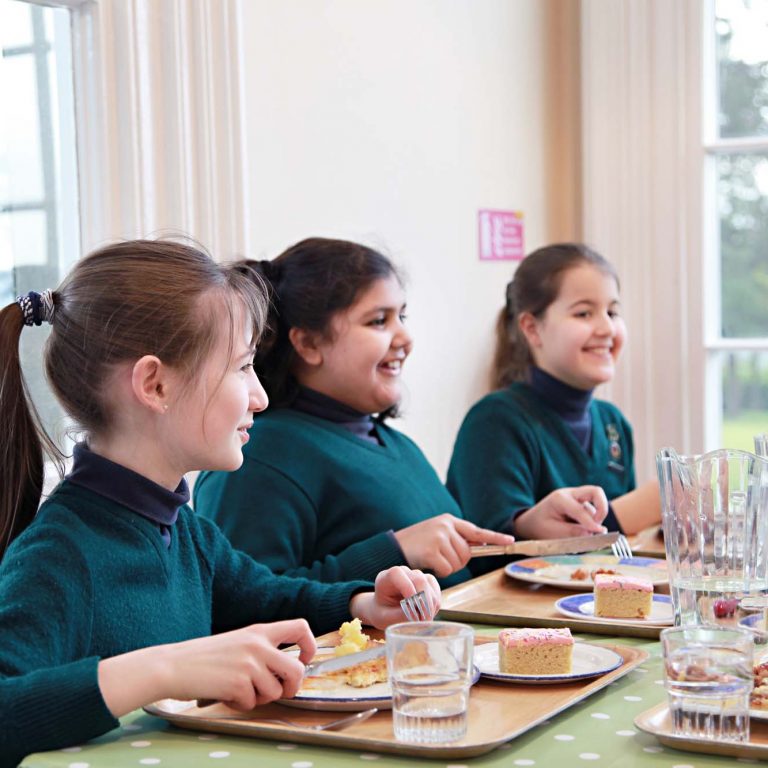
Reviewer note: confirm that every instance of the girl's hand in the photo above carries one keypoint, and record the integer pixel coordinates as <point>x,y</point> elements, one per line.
<point>441,544</point>
<point>382,607</point>
<point>564,513</point>
<point>243,668</point>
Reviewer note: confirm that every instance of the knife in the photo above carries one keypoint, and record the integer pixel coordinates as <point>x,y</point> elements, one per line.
<point>329,665</point>
<point>547,546</point>
<point>345,662</point>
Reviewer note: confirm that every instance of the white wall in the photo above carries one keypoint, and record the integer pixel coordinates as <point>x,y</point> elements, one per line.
<point>392,123</point>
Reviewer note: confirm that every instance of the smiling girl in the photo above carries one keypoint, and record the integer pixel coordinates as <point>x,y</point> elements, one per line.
<point>543,440</point>
<point>328,489</point>
<point>110,590</point>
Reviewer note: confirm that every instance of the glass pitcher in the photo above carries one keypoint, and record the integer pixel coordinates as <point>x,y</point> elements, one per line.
<point>715,518</point>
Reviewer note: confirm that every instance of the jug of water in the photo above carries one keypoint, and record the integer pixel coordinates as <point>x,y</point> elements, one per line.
<point>715,519</point>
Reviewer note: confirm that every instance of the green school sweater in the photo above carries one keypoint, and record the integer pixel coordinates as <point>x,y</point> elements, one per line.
<point>512,450</point>
<point>312,499</point>
<point>91,579</point>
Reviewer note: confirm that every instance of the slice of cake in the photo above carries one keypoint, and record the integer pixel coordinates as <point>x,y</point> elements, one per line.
<point>535,651</point>
<point>622,597</point>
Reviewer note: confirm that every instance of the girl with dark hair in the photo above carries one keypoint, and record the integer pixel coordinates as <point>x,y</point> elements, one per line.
<point>327,489</point>
<point>538,455</point>
<point>109,592</point>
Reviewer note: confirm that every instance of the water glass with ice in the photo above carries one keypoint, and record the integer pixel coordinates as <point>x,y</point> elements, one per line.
<point>430,671</point>
<point>708,679</point>
<point>715,518</point>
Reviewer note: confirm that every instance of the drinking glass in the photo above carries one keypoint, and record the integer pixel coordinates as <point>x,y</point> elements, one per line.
<point>708,678</point>
<point>715,518</point>
<point>430,671</point>
<point>761,444</point>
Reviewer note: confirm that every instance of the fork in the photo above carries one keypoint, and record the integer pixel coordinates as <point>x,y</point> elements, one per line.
<point>621,548</point>
<point>416,607</point>
<point>334,725</point>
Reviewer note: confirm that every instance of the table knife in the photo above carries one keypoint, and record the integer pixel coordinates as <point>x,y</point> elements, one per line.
<point>547,546</point>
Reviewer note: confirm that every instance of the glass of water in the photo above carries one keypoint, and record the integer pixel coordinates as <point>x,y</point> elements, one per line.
<point>708,677</point>
<point>430,671</point>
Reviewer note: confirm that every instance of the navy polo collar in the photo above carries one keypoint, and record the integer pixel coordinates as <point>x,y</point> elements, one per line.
<point>568,402</point>
<point>317,404</point>
<point>128,488</point>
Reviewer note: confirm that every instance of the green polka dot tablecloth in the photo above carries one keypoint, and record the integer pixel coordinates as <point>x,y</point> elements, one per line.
<point>598,731</point>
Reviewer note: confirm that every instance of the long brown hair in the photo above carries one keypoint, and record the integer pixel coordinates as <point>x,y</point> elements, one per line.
<point>535,285</point>
<point>308,284</point>
<point>118,304</point>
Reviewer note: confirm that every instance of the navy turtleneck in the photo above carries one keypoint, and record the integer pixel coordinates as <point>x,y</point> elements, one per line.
<point>572,406</point>
<point>569,403</point>
<point>317,404</point>
<point>129,488</point>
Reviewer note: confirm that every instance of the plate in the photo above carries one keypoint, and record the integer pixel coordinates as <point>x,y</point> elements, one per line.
<point>588,661</point>
<point>557,570</point>
<point>345,698</point>
<point>753,621</point>
<point>581,606</point>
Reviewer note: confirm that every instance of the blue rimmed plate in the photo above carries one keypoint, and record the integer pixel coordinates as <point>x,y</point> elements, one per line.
<point>583,607</point>
<point>340,697</point>
<point>588,661</point>
<point>574,571</point>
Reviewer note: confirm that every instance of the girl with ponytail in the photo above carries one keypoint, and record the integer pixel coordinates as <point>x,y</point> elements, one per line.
<point>328,489</point>
<point>530,455</point>
<point>111,590</point>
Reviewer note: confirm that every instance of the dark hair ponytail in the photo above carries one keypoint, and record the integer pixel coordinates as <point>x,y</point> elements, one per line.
<point>116,305</point>
<point>24,443</point>
<point>533,288</point>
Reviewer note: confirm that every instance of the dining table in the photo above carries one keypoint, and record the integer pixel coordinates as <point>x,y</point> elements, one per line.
<point>598,730</point>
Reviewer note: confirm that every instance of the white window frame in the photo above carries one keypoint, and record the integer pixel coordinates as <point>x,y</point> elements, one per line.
<point>714,342</point>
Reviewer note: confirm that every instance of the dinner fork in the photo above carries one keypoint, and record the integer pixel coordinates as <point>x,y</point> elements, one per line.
<point>416,607</point>
<point>334,725</point>
<point>621,548</point>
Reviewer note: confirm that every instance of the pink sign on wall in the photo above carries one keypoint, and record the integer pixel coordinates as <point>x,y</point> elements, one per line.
<point>500,235</point>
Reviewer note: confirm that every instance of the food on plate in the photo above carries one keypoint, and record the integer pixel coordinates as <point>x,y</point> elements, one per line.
<point>622,597</point>
<point>363,675</point>
<point>352,638</point>
<point>524,651</point>
<point>759,697</point>
<point>581,574</point>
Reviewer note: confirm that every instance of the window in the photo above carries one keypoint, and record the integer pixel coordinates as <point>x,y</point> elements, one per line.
<point>39,232</point>
<point>736,179</point>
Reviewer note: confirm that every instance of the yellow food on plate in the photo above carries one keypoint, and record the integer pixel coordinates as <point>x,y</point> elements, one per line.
<point>363,675</point>
<point>353,639</point>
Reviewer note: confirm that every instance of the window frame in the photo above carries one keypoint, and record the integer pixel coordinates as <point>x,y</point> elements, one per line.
<point>713,146</point>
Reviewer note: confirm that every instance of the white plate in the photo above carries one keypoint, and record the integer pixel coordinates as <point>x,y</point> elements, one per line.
<point>583,606</point>
<point>345,698</point>
<point>557,570</point>
<point>588,661</point>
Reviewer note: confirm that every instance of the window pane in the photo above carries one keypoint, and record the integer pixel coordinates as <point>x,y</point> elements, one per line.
<point>745,398</point>
<point>38,178</point>
<point>743,204</point>
<point>16,28</point>
<point>741,28</point>
<point>20,132</point>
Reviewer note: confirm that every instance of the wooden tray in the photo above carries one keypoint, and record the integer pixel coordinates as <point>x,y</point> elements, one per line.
<point>495,598</point>
<point>658,723</point>
<point>648,543</point>
<point>498,712</point>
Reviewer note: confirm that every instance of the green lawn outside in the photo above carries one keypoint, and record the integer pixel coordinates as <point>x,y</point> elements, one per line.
<point>740,431</point>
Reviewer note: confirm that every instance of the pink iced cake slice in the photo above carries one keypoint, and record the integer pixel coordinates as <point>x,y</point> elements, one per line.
<point>622,597</point>
<point>524,651</point>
